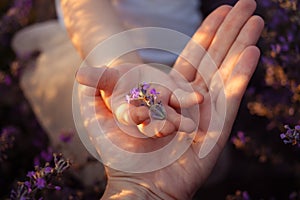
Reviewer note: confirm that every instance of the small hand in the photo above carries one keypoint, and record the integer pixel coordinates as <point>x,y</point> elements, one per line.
<point>115,83</point>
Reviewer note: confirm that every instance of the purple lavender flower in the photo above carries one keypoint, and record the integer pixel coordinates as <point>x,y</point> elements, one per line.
<point>241,136</point>
<point>40,179</point>
<point>30,174</point>
<point>7,80</point>
<point>66,136</point>
<point>245,195</point>
<point>40,183</point>
<point>47,170</point>
<point>291,136</point>
<point>57,188</point>
<point>145,86</point>
<point>240,140</point>
<point>154,92</point>
<point>135,93</point>
<point>44,156</point>
<point>47,155</point>
<point>21,193</point>
<point>28,184</point>
<point>60,163</point>
<point>147,97</point>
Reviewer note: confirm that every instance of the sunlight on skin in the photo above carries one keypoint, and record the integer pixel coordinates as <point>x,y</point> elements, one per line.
<point>150,129</point>
<point>82,19</point>
<point>93,122</point>
<point>203,36</point>
<point>154,128</point>
<point>231,90</point>
<point>182,161</point>
<point>75,19</point>
<point>122,194</point>
<point>243,40</point>
<point>122,142</point>
<point>123,111</point>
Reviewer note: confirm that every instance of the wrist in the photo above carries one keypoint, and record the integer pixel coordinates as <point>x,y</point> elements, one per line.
<point>126,188</point>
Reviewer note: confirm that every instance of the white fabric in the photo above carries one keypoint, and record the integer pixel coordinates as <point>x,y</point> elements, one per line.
<point>179,15</point>
<point>48,85</point>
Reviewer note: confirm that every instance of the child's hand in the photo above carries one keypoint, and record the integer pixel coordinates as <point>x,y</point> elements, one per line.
<point>116,83</point>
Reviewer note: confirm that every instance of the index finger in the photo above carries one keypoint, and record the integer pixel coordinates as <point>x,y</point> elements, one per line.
<point>102,78</point>
<point>190,57</point>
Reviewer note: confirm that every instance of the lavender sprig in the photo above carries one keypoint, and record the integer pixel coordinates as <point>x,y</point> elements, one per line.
<point>40,179</point>
<point>146,96</point>
<point>292,135</point>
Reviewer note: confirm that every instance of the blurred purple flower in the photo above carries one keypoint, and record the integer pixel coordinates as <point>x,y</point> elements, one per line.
<point>40,183</point>
<point>145,86</point>
<point>28,184</point>
<point>47,170</point>
<point>240,140</point>
<point>7,80</point>
<point>44,156</point>
<point>66,136</point>
<point>41,179</point>
<point>47,155</point>
<point>291,136</point>
<point>245,195</point>
<point>135,93</point>
<point>30,174</point>
<point>154,92</point>
<point>15,17</point>
<point>57,188</point>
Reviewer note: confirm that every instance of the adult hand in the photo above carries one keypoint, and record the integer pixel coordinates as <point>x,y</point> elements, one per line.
<point>228,35</point>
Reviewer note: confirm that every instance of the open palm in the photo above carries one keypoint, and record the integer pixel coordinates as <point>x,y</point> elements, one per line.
<point>221,74</point>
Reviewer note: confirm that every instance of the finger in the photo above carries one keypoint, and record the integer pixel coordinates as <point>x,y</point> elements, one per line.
<point>161,128</point>
<point>157,128</point>
<point>227,33</point>
<point>89,91</point>
<point>181,122</point>
<point>166,130</point>
<point>248,36</point>
<point>130,115</point>
<point>187,62</point>
<point>102,78</point>
<point>237,83</point>
<point>183,99</point>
